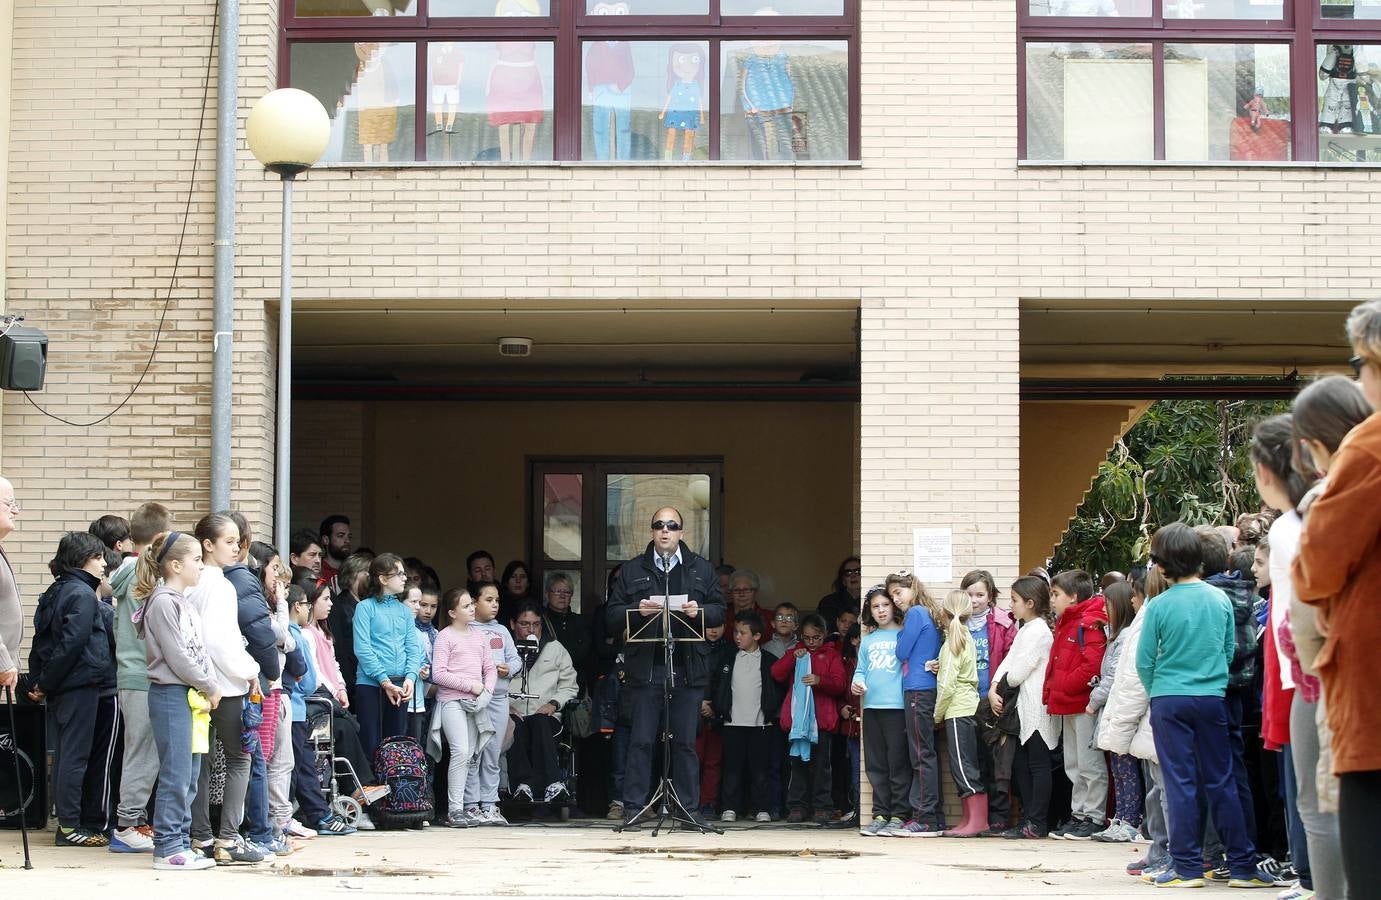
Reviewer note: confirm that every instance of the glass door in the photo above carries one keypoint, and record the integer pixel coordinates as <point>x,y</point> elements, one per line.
<point>591,515</point>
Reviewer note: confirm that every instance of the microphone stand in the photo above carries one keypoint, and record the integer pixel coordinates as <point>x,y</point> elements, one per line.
<point>665,803</point>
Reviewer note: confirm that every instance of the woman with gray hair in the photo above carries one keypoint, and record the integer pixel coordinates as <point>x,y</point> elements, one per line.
<point>1338,570</point>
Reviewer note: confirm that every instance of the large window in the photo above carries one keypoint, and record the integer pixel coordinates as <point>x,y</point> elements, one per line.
<point>1200,80</point>
<point>605,80</point>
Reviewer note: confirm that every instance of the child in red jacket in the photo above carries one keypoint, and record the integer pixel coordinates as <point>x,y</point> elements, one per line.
<point>1076,658</point>
<point>811,777</point>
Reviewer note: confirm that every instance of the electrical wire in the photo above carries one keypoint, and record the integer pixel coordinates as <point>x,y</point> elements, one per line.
<point>181,240</point>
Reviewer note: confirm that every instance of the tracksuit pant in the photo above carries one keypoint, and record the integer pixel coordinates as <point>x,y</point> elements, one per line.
<point>888,762</point>
<point>482,779</point>
<point>924,794</point>
<point>1086,768</point>
<point>811,785</point>
<point>139,765</point>
<point>961,735</point>
<point>227,724</point>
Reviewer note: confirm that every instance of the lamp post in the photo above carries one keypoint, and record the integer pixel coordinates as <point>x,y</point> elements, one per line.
<point>287,130</point>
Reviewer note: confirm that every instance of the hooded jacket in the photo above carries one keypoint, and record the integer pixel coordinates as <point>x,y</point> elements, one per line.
<point>825,662</point>
<point>1242,593</point>
<point>1125,724</point>
<point>215,601</point>
<point>1076,656</point>
<point>131,666</point>
<point>641,578</point>
<point>72,646</point>
<point>1337,571</point>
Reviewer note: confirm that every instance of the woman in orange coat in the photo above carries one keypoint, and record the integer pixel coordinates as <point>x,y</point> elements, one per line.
<point>1339,571</point>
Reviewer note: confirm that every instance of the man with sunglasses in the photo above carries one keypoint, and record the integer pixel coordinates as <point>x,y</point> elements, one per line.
<point>667,568</point>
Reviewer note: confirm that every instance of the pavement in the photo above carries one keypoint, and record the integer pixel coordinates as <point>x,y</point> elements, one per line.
<point>585,858</point>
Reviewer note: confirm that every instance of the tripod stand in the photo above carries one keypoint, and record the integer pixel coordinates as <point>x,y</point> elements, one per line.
<point>666,803</point>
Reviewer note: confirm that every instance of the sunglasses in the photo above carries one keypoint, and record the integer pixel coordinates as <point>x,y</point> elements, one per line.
<point>669,525</point>
<point>1358,364</point>
<point>853,571</point>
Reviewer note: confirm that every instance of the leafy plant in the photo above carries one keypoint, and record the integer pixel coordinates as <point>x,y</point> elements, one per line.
<point>1185,460</point>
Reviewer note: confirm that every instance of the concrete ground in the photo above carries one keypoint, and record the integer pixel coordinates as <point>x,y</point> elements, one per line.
<point>587,859</point>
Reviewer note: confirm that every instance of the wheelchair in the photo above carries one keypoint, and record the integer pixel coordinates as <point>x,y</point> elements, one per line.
<point>321,737</point>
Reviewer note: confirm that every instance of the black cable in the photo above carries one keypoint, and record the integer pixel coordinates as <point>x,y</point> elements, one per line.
<point>181,239</point>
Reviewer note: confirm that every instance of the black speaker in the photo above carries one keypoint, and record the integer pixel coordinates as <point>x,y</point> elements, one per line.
<point>29,749</point>
<point>23,359</point>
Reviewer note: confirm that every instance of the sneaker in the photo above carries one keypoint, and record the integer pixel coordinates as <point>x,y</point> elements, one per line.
<point>1255,879</point>
<point>238,851</point>
<point>1117,832</point>
<point>1058,832</point>
<point>296,829</point>
<point>1296,891</point>
<point>874,828</point>
<point>615,813</point>
<point>1283,872</point>
<point>279,846</point>
<point>333,826</point>
<point>370,793</point>
<point>796,817</point>
<point>523,792</point>
<point>823,819</point>
<point>1171,879</point>
<point>205,848</point>
<point>1153,872</point>
<point>1136,868</point>
<point>1218,872</point>
<point>460,821</point>
<point>474,814</point>
<point>554,792</point>
<point>183,860</point>
<point>135,839</point>
<point>1083,831</point>
<point>913,828</point>
<point>79,837</point>
<point>728,816</point>
<point>763,817</point>
<point>364,823</point>
<point>996,829</point>
<point>490,815</point>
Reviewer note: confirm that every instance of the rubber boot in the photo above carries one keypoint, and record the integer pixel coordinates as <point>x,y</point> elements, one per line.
<point>975,817</point>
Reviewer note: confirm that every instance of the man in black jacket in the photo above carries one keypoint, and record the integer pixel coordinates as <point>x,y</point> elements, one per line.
<point>666,567</point>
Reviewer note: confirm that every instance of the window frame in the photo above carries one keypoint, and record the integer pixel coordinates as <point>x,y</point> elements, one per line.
<point>568,27</point>
<point>1301,27</point>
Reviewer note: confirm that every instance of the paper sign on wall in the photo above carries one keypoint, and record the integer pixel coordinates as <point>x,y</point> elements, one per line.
<point>934,554</point>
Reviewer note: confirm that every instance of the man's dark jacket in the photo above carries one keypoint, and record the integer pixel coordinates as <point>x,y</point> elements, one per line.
<point>641,578</point>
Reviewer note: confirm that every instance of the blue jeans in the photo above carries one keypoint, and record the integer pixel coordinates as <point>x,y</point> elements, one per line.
<point>1191,735</point>
<point>770,134</point>
<point>171,720</point>
<point>257,800</point>
<point>605,100</point>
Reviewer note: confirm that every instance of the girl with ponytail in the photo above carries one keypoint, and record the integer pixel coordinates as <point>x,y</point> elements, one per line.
<point>956,703</point>
<point>180,676</point>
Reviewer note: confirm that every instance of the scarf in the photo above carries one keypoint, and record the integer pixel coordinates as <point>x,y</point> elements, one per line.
<point>804,734</point>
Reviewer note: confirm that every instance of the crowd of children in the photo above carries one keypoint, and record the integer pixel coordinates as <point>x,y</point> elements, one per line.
<point>1190,691</point>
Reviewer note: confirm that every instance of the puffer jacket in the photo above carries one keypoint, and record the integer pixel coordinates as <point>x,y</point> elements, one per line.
<point>1125,723</point>
<point>1076,657</point>
<point>73,646</point>
<point>1242,593</point>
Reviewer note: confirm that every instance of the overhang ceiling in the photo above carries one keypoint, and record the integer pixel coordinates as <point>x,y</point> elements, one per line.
<point>1125,339</point>
<point>432,341</point>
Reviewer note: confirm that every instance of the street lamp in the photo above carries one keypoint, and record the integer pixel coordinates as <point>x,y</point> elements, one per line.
<point>288,130</point>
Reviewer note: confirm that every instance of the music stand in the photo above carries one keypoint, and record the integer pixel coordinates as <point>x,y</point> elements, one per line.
<point>665,803</point>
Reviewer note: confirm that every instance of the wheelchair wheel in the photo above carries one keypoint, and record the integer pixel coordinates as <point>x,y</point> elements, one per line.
<point>348,808</point>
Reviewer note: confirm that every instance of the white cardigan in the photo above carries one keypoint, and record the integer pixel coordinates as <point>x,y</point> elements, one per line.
<point>1024,667</point>
<point>231,665</point>
<point>1125,724</point>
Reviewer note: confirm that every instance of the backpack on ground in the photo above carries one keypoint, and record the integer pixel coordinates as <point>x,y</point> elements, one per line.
<point>400,763</point>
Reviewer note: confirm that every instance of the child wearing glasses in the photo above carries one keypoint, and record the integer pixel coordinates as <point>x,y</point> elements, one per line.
<point>389,653</point>
<point>814,674</point>
<point>784,621</point>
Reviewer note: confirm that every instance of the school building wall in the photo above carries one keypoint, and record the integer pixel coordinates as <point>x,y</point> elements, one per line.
<point>938,234</point>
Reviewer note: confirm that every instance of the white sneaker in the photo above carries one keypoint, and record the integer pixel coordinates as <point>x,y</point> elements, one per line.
<point>184,861</point>
<point>554,791</point>
<point>523,790</point>
<point>364,823</point>
<point>728,816</point>
<point>490,815</point>
<point>763,817</point>
<point>296,829</point>
<point>132,840</point>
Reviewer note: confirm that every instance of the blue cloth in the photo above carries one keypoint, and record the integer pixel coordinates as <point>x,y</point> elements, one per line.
<point>804,734</point>
<point>978,630</point>
<point>683,107</point>
<point>170,719</point>
<point>917,645</point>
<point>767,83</point>
<point>1191,736</point>
<point>299,689</point>
<point>386,642</point>
<point>879,670</point>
